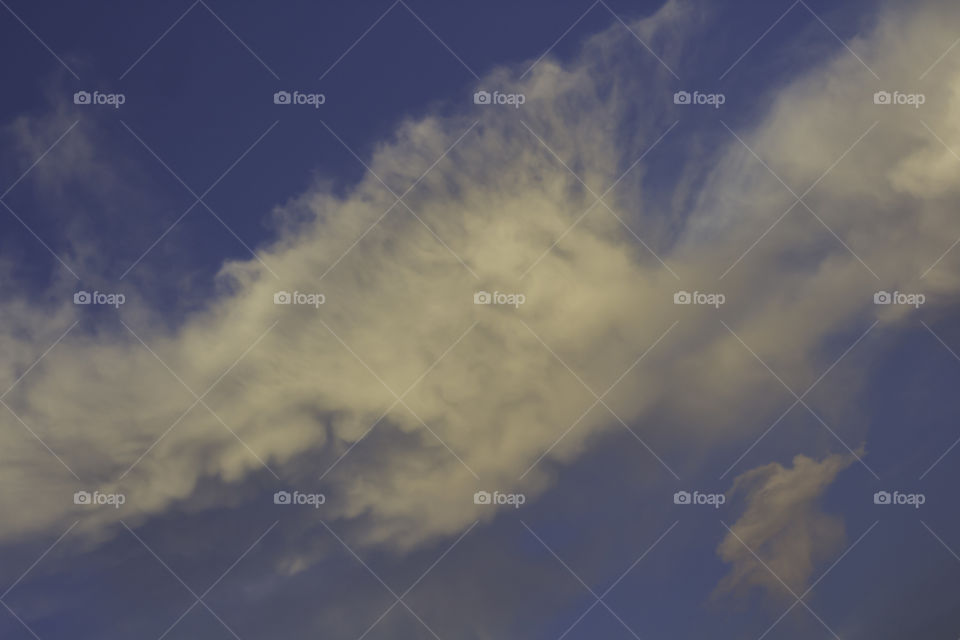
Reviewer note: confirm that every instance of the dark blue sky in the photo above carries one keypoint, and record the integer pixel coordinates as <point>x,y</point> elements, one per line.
<point>202,95</point>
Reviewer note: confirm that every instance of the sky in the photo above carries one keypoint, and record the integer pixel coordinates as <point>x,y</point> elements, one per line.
<point>423,319</point>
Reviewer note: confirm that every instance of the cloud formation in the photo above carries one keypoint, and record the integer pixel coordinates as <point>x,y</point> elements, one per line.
<point>485,391</point>
<point>782,534</point>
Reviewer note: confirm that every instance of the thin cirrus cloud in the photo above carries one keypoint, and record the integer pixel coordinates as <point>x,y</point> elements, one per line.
<point>503,384</point>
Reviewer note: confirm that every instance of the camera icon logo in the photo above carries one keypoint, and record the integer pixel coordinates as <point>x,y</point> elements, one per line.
<point>281,497</point>
<point>881,497</point>
<point>482,497</point>
<point>81,97</point>
<point>681,497</point>
<point>681,97</point>
<point>882,297</point>
<point>82,497</point>
<point>482,297</point>
<point>281,97</point>
<point>682,297</point>
<point>481,97</point>
<point>882,97</point>
<point>82,297</point>
<point>282,297</point>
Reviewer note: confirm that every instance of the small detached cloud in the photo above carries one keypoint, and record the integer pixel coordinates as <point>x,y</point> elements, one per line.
<point>783,535</point>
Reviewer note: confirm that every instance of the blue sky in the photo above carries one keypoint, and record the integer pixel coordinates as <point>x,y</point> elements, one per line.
<point>403,300</point>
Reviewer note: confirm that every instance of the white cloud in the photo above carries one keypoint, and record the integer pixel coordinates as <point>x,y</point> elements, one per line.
<point>500,399</point>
